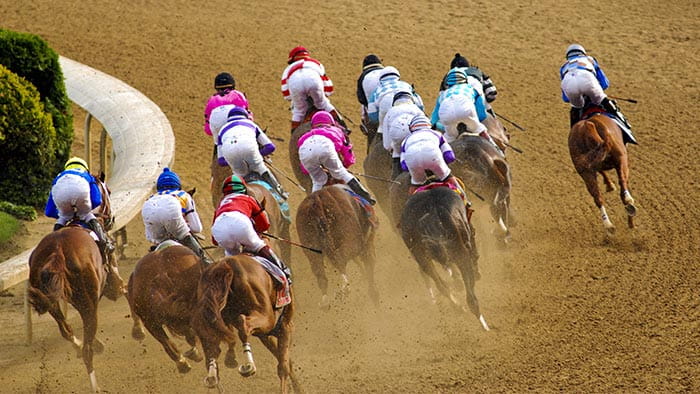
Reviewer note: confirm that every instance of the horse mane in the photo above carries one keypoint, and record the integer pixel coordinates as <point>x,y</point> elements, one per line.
<point>53,283</point>
<point>212,295</point>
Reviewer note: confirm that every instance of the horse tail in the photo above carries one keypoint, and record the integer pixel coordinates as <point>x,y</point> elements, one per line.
<point>212,297</point>
<point>53,284</point>
<point>597,153</point>
<point>432,229</point>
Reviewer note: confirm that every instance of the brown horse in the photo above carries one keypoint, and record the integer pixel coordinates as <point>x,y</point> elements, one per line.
<point>485,171</point>
<point>67,265</point>
<point>435,228</point>
<point>497,131</point>
<point>237,291</point>
<point>333,221</point>
<point>595,146</point>
<point>377,164</point>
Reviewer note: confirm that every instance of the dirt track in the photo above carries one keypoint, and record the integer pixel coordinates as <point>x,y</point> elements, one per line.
<point>572,312</point>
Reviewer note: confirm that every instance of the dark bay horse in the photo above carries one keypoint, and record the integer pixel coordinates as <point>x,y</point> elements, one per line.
<point>336,223</point>
<point>435,228</point>
<point>237,292</point>
<point>483,169</point>
<point>67,265</point>
<point>595,146</point>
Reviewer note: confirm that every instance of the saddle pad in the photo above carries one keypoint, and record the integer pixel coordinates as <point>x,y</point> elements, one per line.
<point>433,185</point>
<point>283,295</point>
<point>284,206</point>
<point>626,132</point>
<point>166,244</point>
<point>368,208</point>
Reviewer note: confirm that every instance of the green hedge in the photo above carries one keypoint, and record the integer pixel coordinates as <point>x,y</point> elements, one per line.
<point>19,211</point>
<point>27,143</point>
<point>30,57</point>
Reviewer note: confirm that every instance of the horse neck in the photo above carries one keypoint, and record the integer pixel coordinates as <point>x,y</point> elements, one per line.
<point>104,211</point>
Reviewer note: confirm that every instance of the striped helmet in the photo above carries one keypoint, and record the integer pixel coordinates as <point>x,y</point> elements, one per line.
<point>419,122</point>
<point>456,76</point>
<point>233,184</point>
<point>75,163</point>
<point>575,50</point>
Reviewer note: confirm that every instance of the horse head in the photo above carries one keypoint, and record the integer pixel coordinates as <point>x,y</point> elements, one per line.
<point>104,211</point>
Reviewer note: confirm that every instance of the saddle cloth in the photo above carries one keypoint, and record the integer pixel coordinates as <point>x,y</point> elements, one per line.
<point>284,206</point>
<point>283,295</point>
<point>368,208</point>
<point>433,185</point>
<point>627,135</point>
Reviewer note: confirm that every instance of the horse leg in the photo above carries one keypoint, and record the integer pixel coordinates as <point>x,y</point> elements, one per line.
<point>245,325</point>
<point>279,347</point>
<point>625,195</point>
<point>191,338</point>
<point>65,328</point>
<point>230,360</point>
<point>369,264</point>
<point>137,329</point>
<point>468,272</point>
<point>159,334</point>
<point>89,316</point>
<point>428,270</point>
<point>591,181</point>
<point>609,186</point>
<point>211,354</point>
<point>316,262</point>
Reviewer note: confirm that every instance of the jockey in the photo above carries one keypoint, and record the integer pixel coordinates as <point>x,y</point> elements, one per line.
<point>321,150</point>
<point>581,78</point>
<point>460,103</point>
<point>476,78</point>
<point>395,124</point>
<point>238,220</point>
<point>383,96</point>
<point>74,193</point>
<point>171,214</point>
<point>305,78</point>
<point>426,149</point>
<point>368,82</point>
<point>226,93</point>
<point>242,144</point>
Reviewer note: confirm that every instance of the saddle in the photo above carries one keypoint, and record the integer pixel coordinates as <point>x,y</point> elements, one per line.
<point>283,292</point>
<point>281,202</point>
<point>366,206</point>
<point>451,186</point>
<point>627,136</point>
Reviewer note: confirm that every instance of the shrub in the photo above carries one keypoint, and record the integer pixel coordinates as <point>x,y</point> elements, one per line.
<point>29,56</point>
<point>19,211</point>
<point>27,143</point>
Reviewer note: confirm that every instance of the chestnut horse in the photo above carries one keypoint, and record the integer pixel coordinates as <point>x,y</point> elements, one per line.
<point>335,222</point>
<point>67,265</point>
<point>237,291</point>
<point>435,228</point>
<point>595,146</point>
<point>497,131</point>
<point>484,170</point>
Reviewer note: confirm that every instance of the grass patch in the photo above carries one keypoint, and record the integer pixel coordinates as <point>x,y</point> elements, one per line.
<point>8,226</point>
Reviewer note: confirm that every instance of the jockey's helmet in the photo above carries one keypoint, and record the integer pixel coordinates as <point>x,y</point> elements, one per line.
<point>224,81</point>
<point>322,118</point>
<point>419,122</point>
<point>218,117</point>
<point>403,96</point>
<point>575,50</point>
<point>455,77</point>
<point>238,111</point>
<point>296,54</point>
<point>168,180</point>
<point>371,60</point>
<point>389,70</point>
<point>75,163</point>
<point>233,184</point>
<point>459,61</point>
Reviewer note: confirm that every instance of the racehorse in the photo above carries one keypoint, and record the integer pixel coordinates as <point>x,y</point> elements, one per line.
<point>337,223</point>
<point>497,131</point>
<point>163,293</point>
<point>596,145</point>
<point>279,220</point>
<point>435,228</point>
<point>218,174</point>
<point>67,265</point>
<point>237,291</point>
<point>484,170</point>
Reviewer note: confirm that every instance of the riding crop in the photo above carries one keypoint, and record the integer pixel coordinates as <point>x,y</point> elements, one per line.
<point>292,243</point>
<point>633,101</point>
<point>375,177</point>
<point>285,175</point>
<point>510,121</point>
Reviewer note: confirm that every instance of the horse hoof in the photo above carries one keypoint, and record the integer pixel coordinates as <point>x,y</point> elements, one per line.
<point>193,354</point>
<point>211,382</point>
<point>230,360</point>
<point>610,231</point>
<point>247,370</point>
<point>631,210</point>
<point>138,334</point>
<point>183,367</point>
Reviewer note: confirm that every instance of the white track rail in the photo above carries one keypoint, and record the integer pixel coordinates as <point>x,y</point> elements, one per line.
<point>142,141</point>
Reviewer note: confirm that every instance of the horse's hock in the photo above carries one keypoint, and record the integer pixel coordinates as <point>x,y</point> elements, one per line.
<point>142,142</point>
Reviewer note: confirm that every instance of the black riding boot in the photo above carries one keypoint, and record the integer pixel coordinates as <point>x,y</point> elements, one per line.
<point>267,253</point>
<point>357,187</point>
<point>272,181</point>
<point>57,226</point>
<point>395,167</point>
<point>574,116</point>
<point>103,241</point>
<point>191,242</point>
<point>611,107</point>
